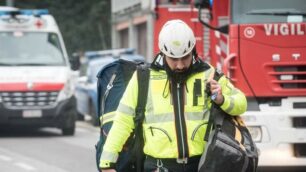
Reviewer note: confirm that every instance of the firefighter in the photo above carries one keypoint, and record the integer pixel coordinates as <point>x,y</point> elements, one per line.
<point>177,107</point>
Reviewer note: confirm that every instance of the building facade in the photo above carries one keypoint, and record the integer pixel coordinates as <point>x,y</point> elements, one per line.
<point>132,26</point>
<point>136,24</point>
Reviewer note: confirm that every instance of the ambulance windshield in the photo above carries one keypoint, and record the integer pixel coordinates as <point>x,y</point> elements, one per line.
<point>30,48</point>
<point>268,11</point>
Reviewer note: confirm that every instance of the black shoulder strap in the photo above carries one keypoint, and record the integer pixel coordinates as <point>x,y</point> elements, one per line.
<point>143,75</point>
<point>218,75</point>
<point>211,120</point>
<point>214,119</point>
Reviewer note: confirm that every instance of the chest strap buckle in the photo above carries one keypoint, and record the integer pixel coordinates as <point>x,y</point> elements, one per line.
<point>182,160</point>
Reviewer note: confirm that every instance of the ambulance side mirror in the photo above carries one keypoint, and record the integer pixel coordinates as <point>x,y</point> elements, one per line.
<point>75,62</point>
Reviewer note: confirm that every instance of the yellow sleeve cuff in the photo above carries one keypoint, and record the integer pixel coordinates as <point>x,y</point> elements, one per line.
<point>106,164</point>
<point>226,103</point>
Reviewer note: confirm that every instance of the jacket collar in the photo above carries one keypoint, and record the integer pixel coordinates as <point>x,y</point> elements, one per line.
<point>197,64</point>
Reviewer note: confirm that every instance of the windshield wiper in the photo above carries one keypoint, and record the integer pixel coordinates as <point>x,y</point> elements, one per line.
<point>7,64</point>
<point>276,13</point>
<point>30,64</point>
<point>27,64</point>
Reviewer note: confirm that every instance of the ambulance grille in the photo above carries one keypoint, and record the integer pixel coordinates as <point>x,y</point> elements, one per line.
<point>24,100</point>
<point>299,122</point>
<point>290,76</point>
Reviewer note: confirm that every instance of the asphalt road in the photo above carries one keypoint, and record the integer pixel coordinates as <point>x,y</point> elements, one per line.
<point>46,150</point>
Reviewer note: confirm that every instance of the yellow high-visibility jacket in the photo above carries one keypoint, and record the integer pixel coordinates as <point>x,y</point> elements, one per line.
<point>170,132</point>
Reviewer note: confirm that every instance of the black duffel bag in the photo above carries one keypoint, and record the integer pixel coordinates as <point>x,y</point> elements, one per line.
<point>229,147</point>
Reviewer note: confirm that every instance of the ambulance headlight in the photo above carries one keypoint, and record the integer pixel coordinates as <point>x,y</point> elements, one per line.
<point>256,133</point>
<point>66,92</point>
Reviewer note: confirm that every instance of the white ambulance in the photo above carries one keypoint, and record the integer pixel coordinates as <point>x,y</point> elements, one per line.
<point>36,79</point>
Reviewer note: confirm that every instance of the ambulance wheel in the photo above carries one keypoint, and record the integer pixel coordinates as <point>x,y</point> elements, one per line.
<point>94,119</point>
<point>68,129</point>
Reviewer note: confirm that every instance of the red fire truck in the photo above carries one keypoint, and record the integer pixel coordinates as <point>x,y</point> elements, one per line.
<point>261,46</point>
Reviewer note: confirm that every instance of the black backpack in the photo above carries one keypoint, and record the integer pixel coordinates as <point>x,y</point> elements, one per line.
<point>229,145</point>
<point>112,81</point>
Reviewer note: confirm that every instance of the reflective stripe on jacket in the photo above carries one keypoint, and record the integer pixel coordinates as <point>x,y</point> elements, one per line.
<point>161,136</point>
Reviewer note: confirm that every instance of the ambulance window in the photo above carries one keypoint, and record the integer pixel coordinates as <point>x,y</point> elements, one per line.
<point>53,40</point>
<point>30,48</point>
<point>266,11</point>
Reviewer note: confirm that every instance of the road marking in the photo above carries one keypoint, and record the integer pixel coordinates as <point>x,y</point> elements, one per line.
<point>82,130</point>
<point>89,127</point>
<point>22,162</point>
<point>5,158</point>
<point>25,166</point>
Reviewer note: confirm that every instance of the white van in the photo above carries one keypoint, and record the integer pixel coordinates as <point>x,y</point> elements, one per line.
<point>36,80</point>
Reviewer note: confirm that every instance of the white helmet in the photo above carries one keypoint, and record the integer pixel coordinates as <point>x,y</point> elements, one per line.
<point>176,39</point>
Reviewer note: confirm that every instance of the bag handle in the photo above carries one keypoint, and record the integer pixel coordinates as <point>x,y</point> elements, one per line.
<point>215,119</point>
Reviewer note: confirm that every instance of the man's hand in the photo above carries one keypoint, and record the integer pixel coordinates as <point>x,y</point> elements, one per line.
<point>216,92</point>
